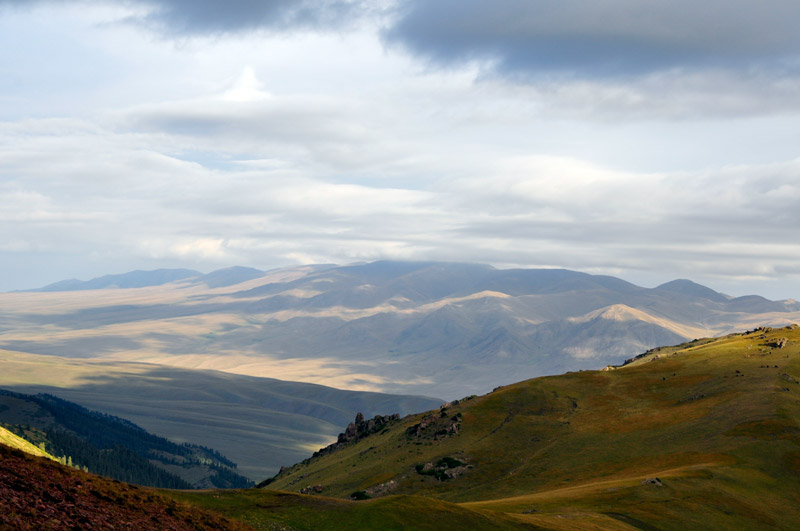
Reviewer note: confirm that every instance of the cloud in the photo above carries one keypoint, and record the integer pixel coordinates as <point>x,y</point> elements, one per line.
<point>257,149</point>
<point>672,95</point>
<point>93,192</point>
<point>202,17</point>
<point>245,123</point>
<point>585,38</point>
<point>217,17</point>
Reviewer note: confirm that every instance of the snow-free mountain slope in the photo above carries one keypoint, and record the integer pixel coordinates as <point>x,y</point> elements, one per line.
<point>432,328</point>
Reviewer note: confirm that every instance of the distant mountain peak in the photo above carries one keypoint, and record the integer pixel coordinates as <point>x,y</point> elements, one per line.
<point>230,275</point>
<point>687,287</point>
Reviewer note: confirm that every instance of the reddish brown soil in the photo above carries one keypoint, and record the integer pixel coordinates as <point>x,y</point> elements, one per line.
<point>36,493</point>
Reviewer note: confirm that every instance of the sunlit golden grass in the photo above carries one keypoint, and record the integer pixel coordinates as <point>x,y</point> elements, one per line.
<point>15,441</point>
<point>716,421</point>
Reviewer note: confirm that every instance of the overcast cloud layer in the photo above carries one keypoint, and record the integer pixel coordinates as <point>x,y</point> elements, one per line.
<point>650,141</point>
<point>612,37</point>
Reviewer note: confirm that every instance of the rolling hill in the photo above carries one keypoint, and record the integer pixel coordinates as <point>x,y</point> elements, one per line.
<point>437,329</point>
<point>702,435</point>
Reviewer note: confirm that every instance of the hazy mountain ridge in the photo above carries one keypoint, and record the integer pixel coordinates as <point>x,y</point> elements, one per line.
<point>422,327</point>
<point>133,279</point>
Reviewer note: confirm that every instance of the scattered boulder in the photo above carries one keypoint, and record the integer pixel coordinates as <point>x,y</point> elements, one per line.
<point>381,489</point>
<point>444,469</point>
<point>311,489</point>
<point>653,481</point>
<point>780,343</point>
<point>436,427</point>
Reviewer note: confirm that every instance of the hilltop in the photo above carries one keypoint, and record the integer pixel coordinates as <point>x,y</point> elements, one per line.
<point>706,433</point>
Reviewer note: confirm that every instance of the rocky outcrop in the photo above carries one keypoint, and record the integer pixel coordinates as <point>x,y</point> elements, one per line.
<point>354,432</point>
<point>444,469</point>
<point>357,430</point>
<point>436,426</point>
<point>382,489</point>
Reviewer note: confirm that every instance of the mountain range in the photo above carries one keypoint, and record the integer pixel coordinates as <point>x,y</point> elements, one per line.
<point>251,363</point>
<point>436,329</point>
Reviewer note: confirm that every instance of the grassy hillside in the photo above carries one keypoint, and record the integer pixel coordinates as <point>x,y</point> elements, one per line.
<point>705,434</point>
<point>263,509</point>
<point>15,441</point>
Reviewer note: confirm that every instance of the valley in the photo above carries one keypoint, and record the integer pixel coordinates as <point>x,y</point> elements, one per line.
<point>251,363</point>
<point>260,423</point>
<point>704,434</point>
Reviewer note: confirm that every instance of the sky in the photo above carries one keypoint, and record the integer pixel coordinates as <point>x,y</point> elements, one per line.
<point>645,140</point>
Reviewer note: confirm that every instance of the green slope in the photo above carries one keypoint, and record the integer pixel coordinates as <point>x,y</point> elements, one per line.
<point>264,509</point>
<point>15,441</point>
<point>716,421</point>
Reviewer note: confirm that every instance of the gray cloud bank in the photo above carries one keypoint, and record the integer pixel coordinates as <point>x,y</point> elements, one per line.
<point>215,16</point>
<point>609,38</point>
<point>523,39</point>
<point>203,17</point>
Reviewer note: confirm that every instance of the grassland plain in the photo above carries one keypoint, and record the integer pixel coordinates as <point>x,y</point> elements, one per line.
<point>702,435</point>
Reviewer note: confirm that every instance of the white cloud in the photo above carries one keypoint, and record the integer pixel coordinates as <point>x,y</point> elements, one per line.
<point>267,148</point>
<point>246,87</point>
